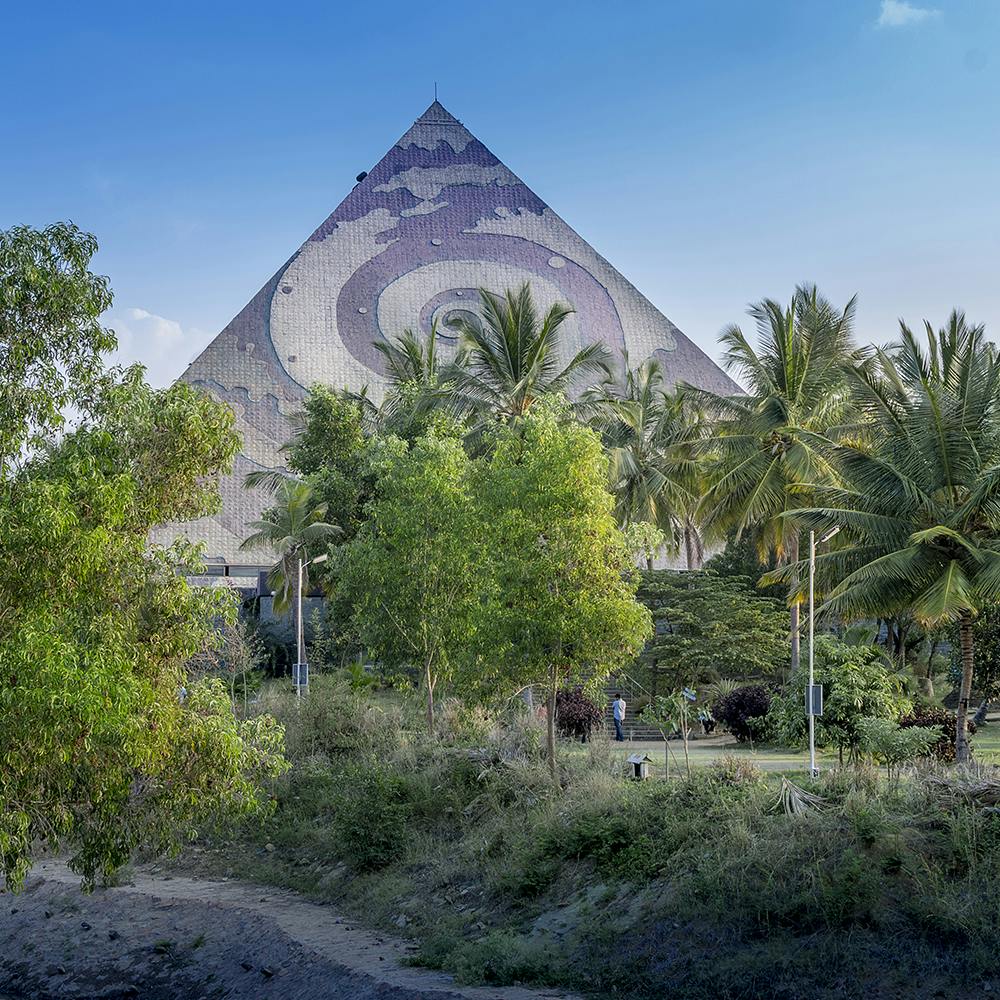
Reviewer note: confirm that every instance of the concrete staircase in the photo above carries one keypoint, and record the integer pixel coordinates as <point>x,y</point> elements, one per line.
<point>633,728</point>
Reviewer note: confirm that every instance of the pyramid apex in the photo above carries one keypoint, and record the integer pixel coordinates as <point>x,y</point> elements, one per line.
<point>437,114</point>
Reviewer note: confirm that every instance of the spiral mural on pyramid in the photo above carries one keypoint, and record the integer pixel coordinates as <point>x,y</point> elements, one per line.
<point>437,218</point>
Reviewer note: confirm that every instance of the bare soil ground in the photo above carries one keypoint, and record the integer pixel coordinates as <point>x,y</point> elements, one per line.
<point>162,936</point>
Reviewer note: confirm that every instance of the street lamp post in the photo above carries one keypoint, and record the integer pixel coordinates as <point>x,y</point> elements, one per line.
<point>300,673</point>
<point>814,695</point>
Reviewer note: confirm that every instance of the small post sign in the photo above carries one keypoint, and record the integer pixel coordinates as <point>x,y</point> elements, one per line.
<point>300,675</point>
<point>814,699</point>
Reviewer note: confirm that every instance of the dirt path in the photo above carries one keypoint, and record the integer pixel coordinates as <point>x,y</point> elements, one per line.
<point>162,936</point>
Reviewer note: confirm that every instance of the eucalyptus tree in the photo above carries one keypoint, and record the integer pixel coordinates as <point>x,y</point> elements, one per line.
<point>560,606</point>
<point>919,503</point>
<point>51,337</point>
<point>294,528</point>
<point>767,446</point>
<point>649,434</point>
<point>100,756</point>
<point>511,357</point>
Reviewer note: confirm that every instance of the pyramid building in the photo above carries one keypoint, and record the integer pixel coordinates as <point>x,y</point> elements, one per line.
<point>436,219</point>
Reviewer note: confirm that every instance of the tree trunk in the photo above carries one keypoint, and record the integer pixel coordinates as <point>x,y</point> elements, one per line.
<point>793,556</point>
<point>689,546</point>
<point>963,753</point>
<point>550,734</point>
<point>684,733</point>
<point>429,680</point>
<point>980,717</point>
<point>928,679</point>
<point>649,563</point>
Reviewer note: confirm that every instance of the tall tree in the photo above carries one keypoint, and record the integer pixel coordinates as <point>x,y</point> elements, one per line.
<point>414,574</point>
<point>294,529</point>
<point>100,754</point>
<point>920,505</point>
<point>649,434</point>
<point>420,395</point>
<point>767,444</point>
<point>512,358</point>
<point>51,338</point>
<point>562,608</point>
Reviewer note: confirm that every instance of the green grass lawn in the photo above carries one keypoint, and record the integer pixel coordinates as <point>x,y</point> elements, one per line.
<point>704,752</point>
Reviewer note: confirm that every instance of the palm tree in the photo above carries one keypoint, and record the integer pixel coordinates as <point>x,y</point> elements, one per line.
<point>648,433</point>
<point>410,361</point>
<point>920,502</point>
<point>292,528</point>
<point>512,358</point>
<point>767,444</point>
<point>418,384</point>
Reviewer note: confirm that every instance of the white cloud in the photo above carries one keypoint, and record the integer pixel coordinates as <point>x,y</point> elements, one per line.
<point>900,13</point>
<point>161,344</point>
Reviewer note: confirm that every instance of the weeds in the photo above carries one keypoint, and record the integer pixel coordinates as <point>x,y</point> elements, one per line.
<point>695,885</point>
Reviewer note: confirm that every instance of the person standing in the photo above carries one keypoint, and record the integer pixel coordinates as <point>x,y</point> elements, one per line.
<point>618,707</point>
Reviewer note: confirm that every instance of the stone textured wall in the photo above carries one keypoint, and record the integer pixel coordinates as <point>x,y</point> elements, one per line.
<point>437,218</point>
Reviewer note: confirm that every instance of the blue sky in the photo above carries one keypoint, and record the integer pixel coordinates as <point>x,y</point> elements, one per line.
<point>715,152</point>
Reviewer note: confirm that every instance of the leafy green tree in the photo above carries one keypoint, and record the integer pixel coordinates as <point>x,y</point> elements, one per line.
<point>512,358</point>
<point>857,684</point>
<point>562,608</point>
<point>414,574</point>
<point>51,338</point>
<point>648,433</point>
<point>102,749</point>
<point>919,508</point>
<point>329,451</point>
<point>329,433</point>
<point>295,529</point>
<point>644,540</point>
<point>707,626</point>
<point>767,444</point>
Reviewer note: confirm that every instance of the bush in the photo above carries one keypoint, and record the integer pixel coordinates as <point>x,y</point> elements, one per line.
<point>934,717</point>
<point>889,743</point>
<point>733,770</point>
<point>858,683</point>
<point>576,714</point>
<point>371,816</point>
<point>742,711</point>
<point>332,719</point>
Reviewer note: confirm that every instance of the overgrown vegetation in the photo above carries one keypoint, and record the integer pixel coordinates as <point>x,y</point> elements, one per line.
<point>699,885</point>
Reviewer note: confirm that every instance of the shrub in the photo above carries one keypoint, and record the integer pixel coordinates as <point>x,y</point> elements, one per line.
<point>576,714</point>
<point>733,770</point>
<point>743,710</point>
<point>332,719</point>
<point>857,683</point>
<point>889,743</point>
<point>934,717</point>
<point>371,816</point>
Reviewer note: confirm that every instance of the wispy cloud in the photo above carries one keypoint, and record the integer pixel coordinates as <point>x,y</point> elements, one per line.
<point>901,13</point>
<point>161,344</point>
